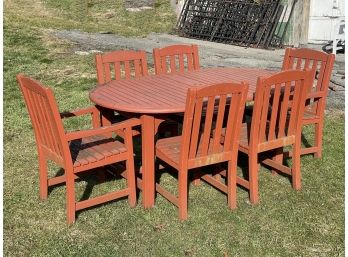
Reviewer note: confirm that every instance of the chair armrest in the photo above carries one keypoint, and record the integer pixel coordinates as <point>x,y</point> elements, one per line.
<point>102,130</point>
<point>90,110</point>
<point>314,95</point>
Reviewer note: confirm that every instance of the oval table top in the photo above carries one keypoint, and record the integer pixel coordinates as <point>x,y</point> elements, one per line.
<point>166,93</point>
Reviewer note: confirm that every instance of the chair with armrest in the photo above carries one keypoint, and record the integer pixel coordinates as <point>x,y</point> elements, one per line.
<point>322,64</point>
<point>76,151</point>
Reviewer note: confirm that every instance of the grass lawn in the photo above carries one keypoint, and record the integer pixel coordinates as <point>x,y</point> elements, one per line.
<point>285,223</point>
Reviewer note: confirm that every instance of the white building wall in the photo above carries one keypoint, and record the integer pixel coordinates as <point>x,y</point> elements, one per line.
<point>324,16</point>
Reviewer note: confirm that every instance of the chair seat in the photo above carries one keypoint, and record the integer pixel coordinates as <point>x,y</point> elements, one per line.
<point>170,147</point>
<point>92,149</point>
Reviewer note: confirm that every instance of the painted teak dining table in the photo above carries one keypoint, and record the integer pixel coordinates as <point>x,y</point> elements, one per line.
<point>155,96</point>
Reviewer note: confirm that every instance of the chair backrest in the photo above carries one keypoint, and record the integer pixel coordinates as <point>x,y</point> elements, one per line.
<point>322,63</point>
<point>45,118</point>
<point>208,112</point>
<point>171,59</point>
<point>121,64</point>
<point>279,105</point>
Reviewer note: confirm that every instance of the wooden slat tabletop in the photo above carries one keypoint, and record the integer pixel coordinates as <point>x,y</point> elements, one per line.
<point>166,93</point>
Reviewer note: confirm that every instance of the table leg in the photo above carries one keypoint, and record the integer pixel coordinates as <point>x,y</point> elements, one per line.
<point>148,160</point>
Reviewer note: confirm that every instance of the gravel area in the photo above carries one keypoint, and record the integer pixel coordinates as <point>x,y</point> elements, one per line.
<point>211,55</point>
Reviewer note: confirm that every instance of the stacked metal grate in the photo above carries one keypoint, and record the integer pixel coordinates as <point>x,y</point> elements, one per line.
<point>240,22</point>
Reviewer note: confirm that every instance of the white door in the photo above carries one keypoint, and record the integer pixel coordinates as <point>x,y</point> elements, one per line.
<point>324,15</point>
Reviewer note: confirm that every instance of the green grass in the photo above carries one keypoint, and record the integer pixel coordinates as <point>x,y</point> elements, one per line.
<point>285,223</point>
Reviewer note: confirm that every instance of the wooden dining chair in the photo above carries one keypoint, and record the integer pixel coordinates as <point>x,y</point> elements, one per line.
<point>117,65</point>
<point>121,64</point>
<point>322,63</point>
<point>176,58</point>
<point>75,151</point>
<point>199,145</point>
<point>276,123</point>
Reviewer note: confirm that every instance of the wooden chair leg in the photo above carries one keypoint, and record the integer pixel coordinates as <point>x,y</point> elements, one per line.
<point>296,166</point>
<point>196,179</point>
<point>318,139</point>
<point>232,185</point>
<point>70,196</point>
<point>132,200</point>
<point>43,174</point>
<point>183,177</point>
<point>106,117</point>
<point>218,168</point>
<point>278,157</point>
<point>253,178</point>
<point>101,175</point>
<point>174,130</point>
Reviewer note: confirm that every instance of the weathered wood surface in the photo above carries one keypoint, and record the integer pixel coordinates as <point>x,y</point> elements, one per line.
<point>166,93</point>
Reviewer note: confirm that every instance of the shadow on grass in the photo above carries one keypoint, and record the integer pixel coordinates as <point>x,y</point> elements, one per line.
<point>93,178</point>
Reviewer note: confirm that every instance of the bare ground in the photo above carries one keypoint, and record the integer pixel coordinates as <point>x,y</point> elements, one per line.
<point>211,55</point>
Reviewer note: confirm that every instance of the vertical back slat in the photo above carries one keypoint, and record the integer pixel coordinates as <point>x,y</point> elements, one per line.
<point>187,126</point>
<point>207,125</point>
<point>291,62</point>
<point>137,68</point>
<point>107,72</point>
<point>143,63</point>
<point>298,63</point>
<point>219,123</point>
<point>190,62</point>
<point>127,69</point>
<point>43,109</point>
<point>195,54</point>
<point>172,64</point>
<point>32,106</point>
<point>164,65</point>
<point>181,63</point>
<point>286,61</point>
<point>264,113</point>
<point>293,107</point>
<point>196,128</point>
<point>230,128</point>
<point>321,76</point>
<point>315,68</point>
<point>157,61</point>
<point>52,129</point>
<point>38,109</point>
<point>274,115</point>
<point>100,69</point>
<point>307,63</point>
<point>117,68</point>
<point>284,109</point>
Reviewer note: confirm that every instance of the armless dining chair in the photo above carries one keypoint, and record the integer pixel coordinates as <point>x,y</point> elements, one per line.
<point>200,145</point>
